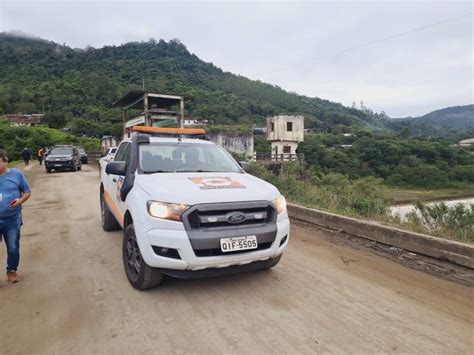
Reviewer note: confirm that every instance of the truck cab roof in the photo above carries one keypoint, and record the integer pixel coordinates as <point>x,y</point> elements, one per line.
<point>173,139</point>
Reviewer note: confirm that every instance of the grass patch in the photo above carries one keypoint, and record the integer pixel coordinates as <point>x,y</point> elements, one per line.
<point>400,195</point>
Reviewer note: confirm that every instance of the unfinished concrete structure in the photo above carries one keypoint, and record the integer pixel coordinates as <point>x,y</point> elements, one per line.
<point>153,110</point>
<point>237,143</point>
<point>285,132</point>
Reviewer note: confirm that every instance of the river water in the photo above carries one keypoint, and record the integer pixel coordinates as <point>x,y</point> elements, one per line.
<point>403,210</point>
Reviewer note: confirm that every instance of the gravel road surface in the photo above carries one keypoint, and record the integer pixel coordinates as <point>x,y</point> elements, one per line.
<point>322,297</point>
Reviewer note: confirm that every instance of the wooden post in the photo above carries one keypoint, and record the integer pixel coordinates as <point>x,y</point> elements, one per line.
<point>181,113</point>
<point>125,119</point>
<point>145,107</point>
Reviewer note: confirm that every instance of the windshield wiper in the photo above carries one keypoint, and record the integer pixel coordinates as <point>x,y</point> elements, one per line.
<point>157,171</point>
<point>197,171</point>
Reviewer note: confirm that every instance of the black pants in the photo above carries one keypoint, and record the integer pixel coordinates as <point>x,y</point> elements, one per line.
<point>40,160</point>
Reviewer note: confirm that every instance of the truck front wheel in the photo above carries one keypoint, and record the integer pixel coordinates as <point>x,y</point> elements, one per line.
<point>140,275</point>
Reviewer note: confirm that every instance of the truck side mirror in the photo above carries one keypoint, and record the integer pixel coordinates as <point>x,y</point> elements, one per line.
<point>245,165</point>
<point>116,168</point>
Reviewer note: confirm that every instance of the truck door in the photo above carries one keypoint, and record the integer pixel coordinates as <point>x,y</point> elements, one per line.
<point>114,182</point>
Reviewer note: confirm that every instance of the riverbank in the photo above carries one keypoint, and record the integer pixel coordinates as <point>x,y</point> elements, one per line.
<point>404,196</point>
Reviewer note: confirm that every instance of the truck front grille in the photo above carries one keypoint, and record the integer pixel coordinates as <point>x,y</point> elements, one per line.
<point>203,218</point>
<point>207,224</point>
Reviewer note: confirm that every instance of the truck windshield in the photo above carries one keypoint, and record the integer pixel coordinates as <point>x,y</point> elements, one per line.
<point>185,157</point>
<point>61,151</point>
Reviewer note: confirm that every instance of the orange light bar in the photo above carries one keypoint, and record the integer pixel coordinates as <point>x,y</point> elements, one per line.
<point>162,130</point>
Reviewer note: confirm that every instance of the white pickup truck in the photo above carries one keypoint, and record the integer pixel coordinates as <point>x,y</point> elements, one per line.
<point>188,209</point>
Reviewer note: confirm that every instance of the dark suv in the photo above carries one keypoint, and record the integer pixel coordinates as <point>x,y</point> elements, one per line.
<point>83,154</point>
<point>63,157</point>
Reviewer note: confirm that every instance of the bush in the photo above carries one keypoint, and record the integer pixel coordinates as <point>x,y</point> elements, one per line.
<point>420,176</point>
<point>14,139</point>
<point>455,222</point>
<point>331,192</point>
<point>462,173</point>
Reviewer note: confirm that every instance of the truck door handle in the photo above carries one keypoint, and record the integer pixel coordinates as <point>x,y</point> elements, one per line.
<point>114,180</point>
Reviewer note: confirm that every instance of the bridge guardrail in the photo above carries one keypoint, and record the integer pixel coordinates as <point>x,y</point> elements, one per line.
<point>439,248</point>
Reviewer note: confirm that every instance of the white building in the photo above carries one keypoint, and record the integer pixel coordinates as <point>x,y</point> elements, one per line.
<point>466,142</point>
<point>285,132</point>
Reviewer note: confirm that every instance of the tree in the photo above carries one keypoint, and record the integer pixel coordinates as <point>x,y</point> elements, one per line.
<point>54,119</point>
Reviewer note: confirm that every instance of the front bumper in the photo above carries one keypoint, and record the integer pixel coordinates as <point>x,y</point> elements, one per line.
<point>213,272</point>
<point>173,235</point>
<point>59,165</point>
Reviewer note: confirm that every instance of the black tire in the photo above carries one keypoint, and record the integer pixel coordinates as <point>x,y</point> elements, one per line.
<point>109,223</point>
<point>139,274</point>
<point>74,167</point>
<point>80,167</point>
<point>48,170</point>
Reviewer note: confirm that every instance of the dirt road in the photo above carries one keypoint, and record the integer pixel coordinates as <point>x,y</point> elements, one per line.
<point>322,297</point>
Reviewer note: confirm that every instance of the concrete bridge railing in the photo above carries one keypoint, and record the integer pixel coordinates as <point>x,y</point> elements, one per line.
<point>439,248</point>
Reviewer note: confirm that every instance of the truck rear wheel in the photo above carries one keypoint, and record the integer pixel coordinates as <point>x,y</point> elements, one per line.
<point>140,275</point>
<point>109,223</point>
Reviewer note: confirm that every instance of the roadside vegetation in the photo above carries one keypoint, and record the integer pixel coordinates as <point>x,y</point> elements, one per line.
<point>408,168</point>
<point>363,198</point>
<point>15,139</point>
<point>454,222</point>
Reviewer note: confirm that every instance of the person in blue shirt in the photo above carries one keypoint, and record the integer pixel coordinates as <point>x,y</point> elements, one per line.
<point>14,191</point>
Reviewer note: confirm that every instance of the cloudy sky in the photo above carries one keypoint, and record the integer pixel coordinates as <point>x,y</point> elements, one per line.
<point>405,58</point>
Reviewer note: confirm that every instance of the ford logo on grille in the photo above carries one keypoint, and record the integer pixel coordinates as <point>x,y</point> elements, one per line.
<point>235,217</point>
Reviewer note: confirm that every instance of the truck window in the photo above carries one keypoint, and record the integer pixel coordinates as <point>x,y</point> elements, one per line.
<point>185,157</point>
<point>120,152</point>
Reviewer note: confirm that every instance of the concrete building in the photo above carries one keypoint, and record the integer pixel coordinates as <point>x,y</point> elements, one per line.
<point>23,120</point>
<point>108,142</point>
<point>466,142</point>
<point>285,132</point>
<point>237,143</point>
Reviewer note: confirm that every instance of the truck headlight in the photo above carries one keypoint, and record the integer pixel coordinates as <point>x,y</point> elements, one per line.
<point>280,204</point>
<point>165,210</point>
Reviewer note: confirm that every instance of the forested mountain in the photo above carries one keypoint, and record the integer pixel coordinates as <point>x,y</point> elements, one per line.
<point>81,84</point>
<point>442,122</point>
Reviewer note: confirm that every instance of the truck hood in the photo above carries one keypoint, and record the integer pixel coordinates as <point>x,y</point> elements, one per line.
<point>195,188</point>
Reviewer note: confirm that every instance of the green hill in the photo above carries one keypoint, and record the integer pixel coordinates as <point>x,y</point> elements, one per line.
<point>442,122</point>
<point>38,75</point>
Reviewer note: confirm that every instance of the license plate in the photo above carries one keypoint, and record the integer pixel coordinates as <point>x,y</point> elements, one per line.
<point>239,243</point>
<point>57,164</point>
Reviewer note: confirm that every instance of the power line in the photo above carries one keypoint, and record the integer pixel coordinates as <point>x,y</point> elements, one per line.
<point>383,39</point>
<point>393,36</point>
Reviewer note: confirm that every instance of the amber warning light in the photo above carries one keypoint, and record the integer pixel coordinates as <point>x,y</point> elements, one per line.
<point>162,130</point>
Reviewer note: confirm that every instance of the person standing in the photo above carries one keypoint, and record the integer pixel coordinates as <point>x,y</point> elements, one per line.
<point>14,191</point>
<point>40,155</point>
<point>26,155</point>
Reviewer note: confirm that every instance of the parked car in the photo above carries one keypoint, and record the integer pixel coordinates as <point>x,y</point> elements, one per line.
<point>109,156</point>
<point>188,209</point>
<point>63,157</point>
<point>83,153</point>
